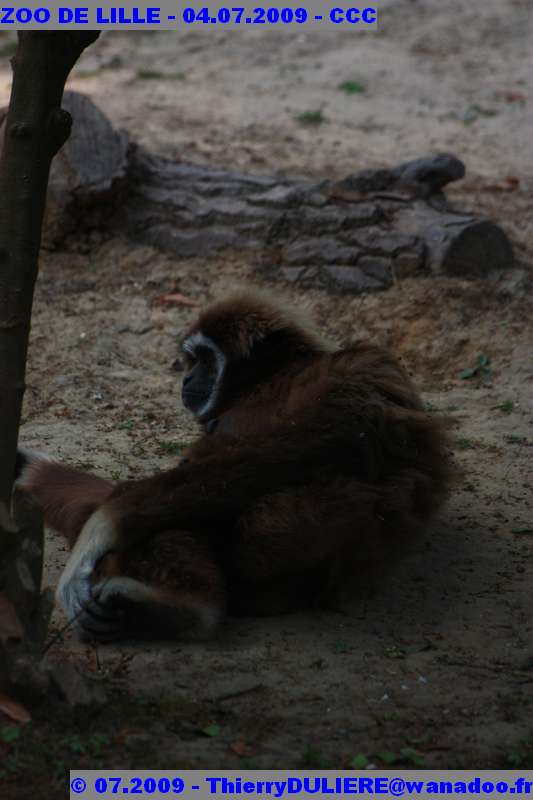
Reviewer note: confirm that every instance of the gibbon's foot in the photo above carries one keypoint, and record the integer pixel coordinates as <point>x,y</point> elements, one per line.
<point>122,607</point>
<point>111,609</point>
<point>101,617</point>
<point>76,588</point>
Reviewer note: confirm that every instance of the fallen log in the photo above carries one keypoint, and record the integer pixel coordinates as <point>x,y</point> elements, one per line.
<point>359,234</point>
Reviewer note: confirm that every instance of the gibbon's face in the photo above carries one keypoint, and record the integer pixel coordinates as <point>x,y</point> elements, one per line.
<point>205,364</point>
<point>234,346</point>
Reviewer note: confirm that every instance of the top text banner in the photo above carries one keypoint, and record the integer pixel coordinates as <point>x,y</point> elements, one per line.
<point>189,14</point>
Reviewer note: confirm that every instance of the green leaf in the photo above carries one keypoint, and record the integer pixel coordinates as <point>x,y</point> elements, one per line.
<point>341,647</point>
<point>9,734</point>
<point>522,530</point>
<point>387,757</point>
<point>314,758</point>
<point>211,730</point>
<point>359,762</point>
<point>469,372</point>
<point>483,360</point>
<point>410,755</point>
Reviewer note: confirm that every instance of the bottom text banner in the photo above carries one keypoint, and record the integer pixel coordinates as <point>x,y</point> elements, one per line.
<point>189,784</point>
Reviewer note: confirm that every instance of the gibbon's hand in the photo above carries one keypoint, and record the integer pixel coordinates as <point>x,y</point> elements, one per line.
<point>76,592</point>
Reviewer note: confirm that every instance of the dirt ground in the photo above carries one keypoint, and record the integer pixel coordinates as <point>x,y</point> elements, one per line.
<point>432,660</point>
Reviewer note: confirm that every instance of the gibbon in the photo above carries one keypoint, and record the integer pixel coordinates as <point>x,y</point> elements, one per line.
<point>312,460</point>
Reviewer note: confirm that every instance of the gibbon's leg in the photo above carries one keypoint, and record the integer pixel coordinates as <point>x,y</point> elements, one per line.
<point>173,588</point>
<point>66,495</point>
<point>309,538</point>
<point>297,531</point>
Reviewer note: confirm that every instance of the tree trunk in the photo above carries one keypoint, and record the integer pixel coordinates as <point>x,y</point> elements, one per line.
<point>34,130</point>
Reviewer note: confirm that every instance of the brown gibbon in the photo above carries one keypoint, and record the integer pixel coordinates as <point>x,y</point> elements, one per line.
<point>312,460</point>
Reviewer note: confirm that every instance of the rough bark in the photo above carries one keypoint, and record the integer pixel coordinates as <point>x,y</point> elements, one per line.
<point>358,234</point>
<point>35,128</point>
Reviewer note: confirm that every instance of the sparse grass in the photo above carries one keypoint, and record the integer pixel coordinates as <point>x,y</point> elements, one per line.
<point>341,647</point>
<point>171,447</point>
<point>86,466</point>
<point>466,443</point>
<point>394,652</point>
<point>515,438</point>
<point>351,87</point>
<point>126,425</point>
<point>506,407</point>
<point>311,118</point>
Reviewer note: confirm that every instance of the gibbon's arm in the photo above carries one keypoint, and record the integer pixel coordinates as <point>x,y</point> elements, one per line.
<point>216,485</point>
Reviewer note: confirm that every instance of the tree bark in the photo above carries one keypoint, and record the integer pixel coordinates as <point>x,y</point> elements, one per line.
<point>34,130</point>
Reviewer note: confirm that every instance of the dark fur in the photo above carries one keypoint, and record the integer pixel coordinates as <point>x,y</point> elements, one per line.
<point>317,460</point>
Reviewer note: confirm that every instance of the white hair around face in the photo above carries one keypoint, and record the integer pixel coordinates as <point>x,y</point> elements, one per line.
<point>191,346</point>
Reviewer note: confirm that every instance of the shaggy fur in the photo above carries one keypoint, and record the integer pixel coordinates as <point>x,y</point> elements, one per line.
<point>315,460</point>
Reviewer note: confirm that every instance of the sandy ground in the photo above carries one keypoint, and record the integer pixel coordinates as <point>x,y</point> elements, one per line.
<point>436,653</point>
